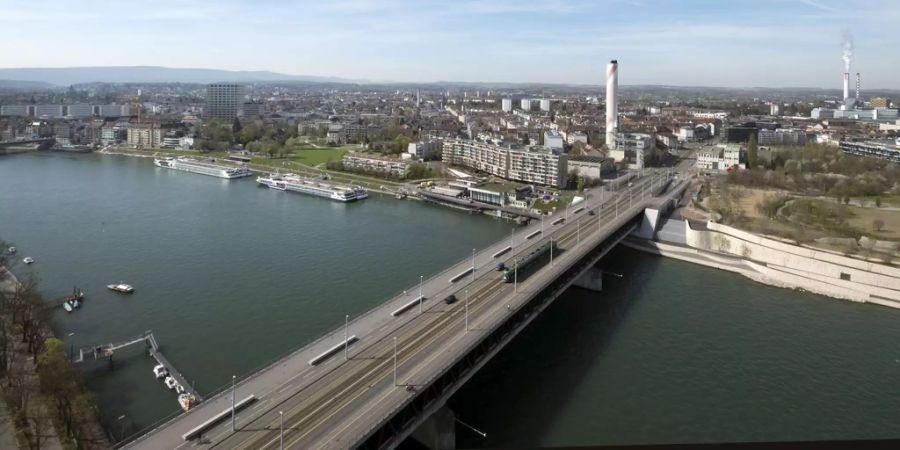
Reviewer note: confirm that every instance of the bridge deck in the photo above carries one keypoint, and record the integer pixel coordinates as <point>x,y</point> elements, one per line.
<point>323,403</point>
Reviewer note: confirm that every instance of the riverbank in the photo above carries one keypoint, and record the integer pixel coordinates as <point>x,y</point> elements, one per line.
<point>780,264</point>
<point>371,184</point>
<point>44,412</point>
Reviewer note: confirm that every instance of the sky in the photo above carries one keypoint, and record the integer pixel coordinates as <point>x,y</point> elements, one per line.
<point>745,43</point>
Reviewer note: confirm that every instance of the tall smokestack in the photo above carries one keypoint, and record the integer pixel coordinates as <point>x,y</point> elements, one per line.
<point>857,87</point>
<point>612,107</point>
<point>846,85</point>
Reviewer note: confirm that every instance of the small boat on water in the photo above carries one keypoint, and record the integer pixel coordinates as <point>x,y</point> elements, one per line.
<point>170,382</point>
<point>121,287</point>
<point>28,260</point>
<point>160,371</point>
<point>12,250</point>
<point>186,401</point>
<point>67,307</point>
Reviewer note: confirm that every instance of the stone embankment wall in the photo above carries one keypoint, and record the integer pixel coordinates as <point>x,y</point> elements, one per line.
<point>795,266</point>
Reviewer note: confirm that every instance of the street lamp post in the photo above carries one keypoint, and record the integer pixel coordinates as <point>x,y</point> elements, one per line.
<point>467,310</point>
<point>346,337</point>
<point>516,276</point>
<point>551,249</point>
<point>395,361</point>
<point>578,233</point>
<point>233,379</point>
<point>421,280</point>
<point>281,430</point>
<point>473,265</point>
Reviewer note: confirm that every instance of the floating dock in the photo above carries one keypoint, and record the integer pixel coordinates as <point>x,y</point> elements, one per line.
<point>106,351</point>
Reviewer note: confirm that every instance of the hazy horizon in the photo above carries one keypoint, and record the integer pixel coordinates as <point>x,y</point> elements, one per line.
<point>699,43</point>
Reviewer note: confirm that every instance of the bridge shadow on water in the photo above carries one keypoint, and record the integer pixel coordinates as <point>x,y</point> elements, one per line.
<point>518,395</point>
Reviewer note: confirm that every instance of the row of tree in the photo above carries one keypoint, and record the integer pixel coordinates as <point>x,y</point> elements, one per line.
<point>38,376</point>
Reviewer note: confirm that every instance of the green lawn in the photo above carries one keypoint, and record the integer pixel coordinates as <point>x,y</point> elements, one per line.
<point>559,205</point>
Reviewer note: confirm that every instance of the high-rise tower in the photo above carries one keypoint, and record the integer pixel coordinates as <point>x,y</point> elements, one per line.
<point>612,107</point>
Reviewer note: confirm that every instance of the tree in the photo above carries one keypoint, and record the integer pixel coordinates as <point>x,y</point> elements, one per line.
<point>877,225</point>
<point>878,202</point>
<point>752,152</point>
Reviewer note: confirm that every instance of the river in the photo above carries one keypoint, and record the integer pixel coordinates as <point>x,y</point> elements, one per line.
<point>229,276</point>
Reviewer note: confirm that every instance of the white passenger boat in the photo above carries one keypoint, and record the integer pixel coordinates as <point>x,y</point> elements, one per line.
<point>296,183</point>
<point>121,287</point>
<point>67,306</point>
<point>28,260</point>
<point>203,167</point>
<point>160,371</point>
<point>12,250</point>
<point>170,382</point>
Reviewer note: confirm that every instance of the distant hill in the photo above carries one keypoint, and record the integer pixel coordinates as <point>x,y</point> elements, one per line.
<point>24,85</point>
<point>64,76</point>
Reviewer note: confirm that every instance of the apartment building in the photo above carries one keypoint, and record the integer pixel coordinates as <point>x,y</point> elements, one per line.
<point>781,136</point>
<point>144,135</point>
<point>530,165</point>
<point>381,165</point>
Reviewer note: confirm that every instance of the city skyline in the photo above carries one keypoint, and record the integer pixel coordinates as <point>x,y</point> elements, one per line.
<point>775,43</point>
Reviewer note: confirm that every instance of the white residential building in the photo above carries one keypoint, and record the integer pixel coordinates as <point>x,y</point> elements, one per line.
<point>525,104</point>
<point>545,104</point>
<point>506,104</point>
<point>531,165</point>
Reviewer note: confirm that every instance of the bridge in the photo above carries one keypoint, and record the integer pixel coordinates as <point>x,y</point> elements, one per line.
<point>387,374</point>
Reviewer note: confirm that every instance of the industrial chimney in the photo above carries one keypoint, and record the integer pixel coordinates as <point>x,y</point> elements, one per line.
<point>857,87</point>
<point>612,107</point>
<point>846,86</point>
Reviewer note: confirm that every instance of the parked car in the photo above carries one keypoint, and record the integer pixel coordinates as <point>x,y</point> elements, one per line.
<point>451,299</point>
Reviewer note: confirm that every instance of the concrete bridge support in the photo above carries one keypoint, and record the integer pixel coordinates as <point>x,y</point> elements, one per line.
<point>438,432</point>
<point>591,279</point>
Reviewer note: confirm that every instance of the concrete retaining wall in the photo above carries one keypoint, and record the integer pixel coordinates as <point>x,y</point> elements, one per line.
<point>824,266</point>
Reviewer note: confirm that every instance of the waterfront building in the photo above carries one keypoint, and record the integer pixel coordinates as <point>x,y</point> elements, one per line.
<point>144,135</point>
<point>530,165</point>
<point>377,164</point>
<point>111,134</point>
<point>223,101</point>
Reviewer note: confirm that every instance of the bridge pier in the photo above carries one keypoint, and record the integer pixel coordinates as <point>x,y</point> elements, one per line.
<point>591,279</point>
<point>438,432</point>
